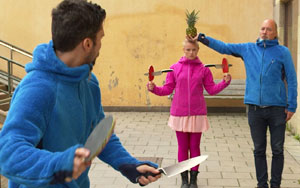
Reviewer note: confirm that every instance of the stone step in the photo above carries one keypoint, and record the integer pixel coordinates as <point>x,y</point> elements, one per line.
<point>5,106</point>
<point>2,117</point>
<point>3,87</point>
<point>4,96</point>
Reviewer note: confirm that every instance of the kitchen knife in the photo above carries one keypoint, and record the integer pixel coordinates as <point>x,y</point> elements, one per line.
<point>217,66</point>
<point>157,73</point>
<point>175,169</point>
<point>99,137</point>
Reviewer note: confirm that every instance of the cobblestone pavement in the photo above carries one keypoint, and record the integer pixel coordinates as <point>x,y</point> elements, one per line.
<point>227,142</point>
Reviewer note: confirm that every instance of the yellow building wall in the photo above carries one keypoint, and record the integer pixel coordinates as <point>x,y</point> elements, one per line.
<point>294,124</point>
<point>140,33</point>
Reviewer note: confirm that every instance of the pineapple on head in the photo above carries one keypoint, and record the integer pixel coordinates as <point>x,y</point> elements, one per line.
<point>191,19</point>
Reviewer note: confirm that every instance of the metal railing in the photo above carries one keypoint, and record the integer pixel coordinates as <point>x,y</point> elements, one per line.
<point>8,75</point>
<point>15,49</point>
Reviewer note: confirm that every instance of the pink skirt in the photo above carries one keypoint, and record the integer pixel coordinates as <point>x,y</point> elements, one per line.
<point>192,124</point>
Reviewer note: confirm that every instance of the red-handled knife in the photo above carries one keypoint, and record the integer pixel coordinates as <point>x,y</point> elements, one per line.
<point>151,72</point>
<point>224,66</point>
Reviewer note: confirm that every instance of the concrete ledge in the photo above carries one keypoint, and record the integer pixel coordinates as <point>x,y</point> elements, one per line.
<point>136,109</point>
<point>226,110</point>
<point>167,109</point>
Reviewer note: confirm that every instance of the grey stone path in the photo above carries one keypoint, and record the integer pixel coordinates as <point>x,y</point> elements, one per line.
<point>227,142</point>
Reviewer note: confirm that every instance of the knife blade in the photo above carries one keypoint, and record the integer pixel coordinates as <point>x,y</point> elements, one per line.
<point>217,66</point>
<point>156,73</point>
<point>175,169</point>
<point>183,166</point>
<point>99,137</point>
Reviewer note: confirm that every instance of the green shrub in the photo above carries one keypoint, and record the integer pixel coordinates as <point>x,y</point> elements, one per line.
<point>297,137</point>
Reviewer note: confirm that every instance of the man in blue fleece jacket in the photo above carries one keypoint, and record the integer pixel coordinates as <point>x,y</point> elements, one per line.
<point>57,105</point>
<point>271,94</point>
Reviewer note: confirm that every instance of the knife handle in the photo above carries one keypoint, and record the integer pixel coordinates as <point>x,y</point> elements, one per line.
<point>147,174</point>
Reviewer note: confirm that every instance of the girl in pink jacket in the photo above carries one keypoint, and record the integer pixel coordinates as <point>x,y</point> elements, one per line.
<point>188,110</point>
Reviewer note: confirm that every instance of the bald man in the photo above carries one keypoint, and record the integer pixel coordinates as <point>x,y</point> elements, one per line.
<point>271,94</point>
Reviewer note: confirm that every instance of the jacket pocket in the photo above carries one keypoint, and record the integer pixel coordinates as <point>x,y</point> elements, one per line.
<point>269,66</point>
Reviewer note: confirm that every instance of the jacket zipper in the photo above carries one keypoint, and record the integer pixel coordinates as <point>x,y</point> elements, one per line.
<point>189,105</point>
<point>261,70</point>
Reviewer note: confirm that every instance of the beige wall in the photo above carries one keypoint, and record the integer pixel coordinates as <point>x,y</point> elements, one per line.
<point>293,44</point>
<point>139,33</point>
<point>294,124</point>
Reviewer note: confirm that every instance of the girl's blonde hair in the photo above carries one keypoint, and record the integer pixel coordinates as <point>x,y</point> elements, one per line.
<point>191,42</point>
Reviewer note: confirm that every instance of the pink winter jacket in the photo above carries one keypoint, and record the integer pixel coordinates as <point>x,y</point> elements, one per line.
<point>188,78</point>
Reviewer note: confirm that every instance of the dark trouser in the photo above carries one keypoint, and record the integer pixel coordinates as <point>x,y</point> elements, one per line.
<point>259,120</point>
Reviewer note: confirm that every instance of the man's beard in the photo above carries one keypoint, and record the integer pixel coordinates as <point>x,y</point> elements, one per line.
<point>93,62</point>
<point>90,62</point>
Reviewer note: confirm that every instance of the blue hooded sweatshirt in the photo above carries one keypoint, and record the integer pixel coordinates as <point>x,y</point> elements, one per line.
<point>52,113</point>
<point>268,65</point>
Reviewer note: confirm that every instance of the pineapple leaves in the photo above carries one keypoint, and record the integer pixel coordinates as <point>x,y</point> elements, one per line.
<point>191,19</point>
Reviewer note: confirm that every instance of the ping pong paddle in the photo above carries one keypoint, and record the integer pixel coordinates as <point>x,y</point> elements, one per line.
<point>100,137</point>
<point>151,76</point>
<point>225,65</point>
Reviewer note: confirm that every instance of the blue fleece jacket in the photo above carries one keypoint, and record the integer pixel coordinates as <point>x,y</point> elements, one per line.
<point>52,113</point>
<point>268,65</point>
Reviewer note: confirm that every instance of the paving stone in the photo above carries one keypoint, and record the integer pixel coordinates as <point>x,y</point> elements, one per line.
<point>223,182</point>
<point>241,175</point>
<point>247,182</point>
<point>228,144</point>
<point>210,175</point>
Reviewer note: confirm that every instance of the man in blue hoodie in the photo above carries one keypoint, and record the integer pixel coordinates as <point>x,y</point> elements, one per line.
<point>57,105</point>
<point>271,94</point>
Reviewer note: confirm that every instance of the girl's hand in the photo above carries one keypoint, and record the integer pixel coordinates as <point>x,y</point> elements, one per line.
<point>227,77</point>
<point>150,86</point>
